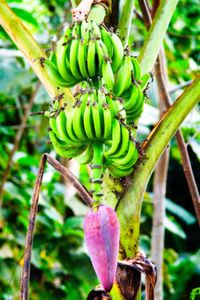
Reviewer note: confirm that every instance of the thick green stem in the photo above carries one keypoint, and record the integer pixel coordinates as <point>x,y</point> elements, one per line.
<point>97,13</point>
<point>129,207</point>
<point>73,3</point>
<point>156,34</point>
<point>112,188</point>
<point>31,50</point>
<point>125,19</point>
<point>96,172</point>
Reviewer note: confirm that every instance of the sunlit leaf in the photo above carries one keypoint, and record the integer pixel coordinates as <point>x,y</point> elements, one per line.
<point>179,211</point>
<point>174,228</point>
<point>53,214</point>
<point>25,16</point>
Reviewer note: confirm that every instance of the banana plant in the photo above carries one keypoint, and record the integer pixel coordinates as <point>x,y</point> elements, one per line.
<point>116,73</point>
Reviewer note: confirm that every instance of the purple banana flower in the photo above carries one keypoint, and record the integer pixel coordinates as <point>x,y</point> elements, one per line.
<point>101,229</point>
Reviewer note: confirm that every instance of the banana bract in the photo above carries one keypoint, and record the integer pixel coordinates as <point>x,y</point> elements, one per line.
<point>101,230</point>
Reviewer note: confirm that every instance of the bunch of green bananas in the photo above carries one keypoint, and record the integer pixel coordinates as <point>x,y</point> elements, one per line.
<point>134,98</point>
<point>94,131</point>
<point>97,129</point>
<point>86,50</point>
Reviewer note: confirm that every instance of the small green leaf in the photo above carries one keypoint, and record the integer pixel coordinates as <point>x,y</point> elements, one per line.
<point>73,232</point>
<point>53,214</point>
<point>28,161</point>
<point>179,211</point>
<point>25,16</point>
<point>174,228</point>
<point>73,222</point>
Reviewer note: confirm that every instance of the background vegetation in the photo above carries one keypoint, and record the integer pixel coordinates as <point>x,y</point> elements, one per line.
<point>60,266</point>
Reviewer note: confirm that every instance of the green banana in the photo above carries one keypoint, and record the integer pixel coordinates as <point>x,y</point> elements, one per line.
<point>88,122</point>
<point>118,52</point>
<point>107,123</point>
<point>130,102</point>
<point>132,117</point>
<point>105,34</point>
<point>136,69</point>
<point>82,55</point>
<point>108,76</point>
<point>53,125</point>
<point>123,76</point>
<point>52,58</point>
<point>61,132</point>
<point>145,79</point>
<point>134,112</point>
<point>117,172</point>
<point>87,156</point>
<point>112,106</point>
<point>102,54</point>
<point>73,61</point>
<point>63,149</point>
<point>129,158</point>
<point>61,49</point>
<point>69,127</point>
<point>124,143</point>
<point>97,116</point>
<point>91,58</point>
<point>140,100</point>
<point>63,69</point>
<point>116,138</point>
<point>78,124</point>
<point>55,76</point>
<point>83,48</point>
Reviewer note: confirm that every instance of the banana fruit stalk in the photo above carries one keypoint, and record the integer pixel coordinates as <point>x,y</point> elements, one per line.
<point>101,228</point>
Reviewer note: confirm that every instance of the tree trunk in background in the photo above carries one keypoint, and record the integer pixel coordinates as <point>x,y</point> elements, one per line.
<point>158,231</point>
<point>159,189</point>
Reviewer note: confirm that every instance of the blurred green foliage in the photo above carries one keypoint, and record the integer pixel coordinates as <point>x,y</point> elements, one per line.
<point>61,268</point>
